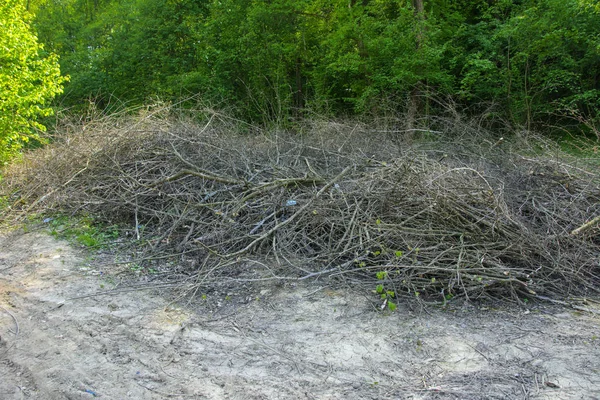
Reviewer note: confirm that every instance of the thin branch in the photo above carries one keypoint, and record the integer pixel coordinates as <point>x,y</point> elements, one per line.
<point>587,226</point>
<point>186,172</point>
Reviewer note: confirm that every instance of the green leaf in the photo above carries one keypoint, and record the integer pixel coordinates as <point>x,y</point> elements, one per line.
<point>392,306</point>
<point>29,79</point>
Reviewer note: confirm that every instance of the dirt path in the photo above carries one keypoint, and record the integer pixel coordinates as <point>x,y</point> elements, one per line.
<point>303,342</point>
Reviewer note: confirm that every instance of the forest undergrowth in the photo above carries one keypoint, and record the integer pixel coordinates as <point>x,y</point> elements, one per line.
<point>449,210</point>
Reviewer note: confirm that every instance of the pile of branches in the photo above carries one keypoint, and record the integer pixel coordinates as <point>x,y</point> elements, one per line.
<point>456,213</point>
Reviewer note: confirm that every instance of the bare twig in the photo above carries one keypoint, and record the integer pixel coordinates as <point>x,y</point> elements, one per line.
<point>588,225</point>
<point>186,172</point>
<point>14,319</point>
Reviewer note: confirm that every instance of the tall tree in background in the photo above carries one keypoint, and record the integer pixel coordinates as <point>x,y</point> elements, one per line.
<point>538,60</point>
<point>535,59</point>
<point>256,53</point>
<point>413,102</point>
<point>29,80</point>
<point>133,50</point>
<point>370,61</point>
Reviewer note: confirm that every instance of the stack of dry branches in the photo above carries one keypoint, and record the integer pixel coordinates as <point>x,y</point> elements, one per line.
<point>459,213</point>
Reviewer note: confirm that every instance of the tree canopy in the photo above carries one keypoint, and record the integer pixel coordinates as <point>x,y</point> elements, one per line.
<point>29,79</point>
<point>536,60</point>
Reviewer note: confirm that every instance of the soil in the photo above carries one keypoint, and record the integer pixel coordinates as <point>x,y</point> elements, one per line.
<point>270,341</point>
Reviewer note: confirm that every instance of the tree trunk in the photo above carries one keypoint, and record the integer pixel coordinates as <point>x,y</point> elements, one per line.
<point>413,101</point>
<point>298,95</point>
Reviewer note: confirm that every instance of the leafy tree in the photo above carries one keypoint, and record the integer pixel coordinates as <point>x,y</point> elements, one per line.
<point>256,53</point>
<point>29,79</point>
<point>149,47</point>
<point>537,59</point>
<point>375,49</point>
<point>270,59</point>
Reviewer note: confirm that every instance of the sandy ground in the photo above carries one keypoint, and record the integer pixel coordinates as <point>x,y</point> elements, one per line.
<point>270,342</point>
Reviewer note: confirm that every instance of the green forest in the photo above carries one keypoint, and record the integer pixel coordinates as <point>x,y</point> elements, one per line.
<point>533,63</point>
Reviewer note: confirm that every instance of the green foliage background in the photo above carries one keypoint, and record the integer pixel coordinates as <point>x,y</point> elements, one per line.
<point>29,79</point>
<point>537,61</point>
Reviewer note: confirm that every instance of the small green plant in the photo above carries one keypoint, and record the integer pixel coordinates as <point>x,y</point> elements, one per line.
<point>385,294</point>
<point>87,239</point>
<point>447,297</point>
<point>135,267</point>
<point>4,203</point>
<point>83,230</point>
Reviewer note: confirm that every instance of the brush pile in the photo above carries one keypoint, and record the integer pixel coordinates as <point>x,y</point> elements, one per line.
<point>455,213</point>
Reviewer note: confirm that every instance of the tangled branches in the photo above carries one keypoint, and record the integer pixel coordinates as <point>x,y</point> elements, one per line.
<point>445,217</point>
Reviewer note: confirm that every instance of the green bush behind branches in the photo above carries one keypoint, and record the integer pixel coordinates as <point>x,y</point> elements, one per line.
<point>537,61</point>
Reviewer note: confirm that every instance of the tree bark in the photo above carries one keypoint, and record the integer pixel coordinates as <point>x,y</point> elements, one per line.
<point>413,101</point>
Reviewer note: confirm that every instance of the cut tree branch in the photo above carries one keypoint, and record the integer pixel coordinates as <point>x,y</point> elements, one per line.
<point>588,225</point>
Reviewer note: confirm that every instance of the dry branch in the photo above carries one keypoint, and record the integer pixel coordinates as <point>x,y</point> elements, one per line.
<point>460,216</point>
<point>290,219</point>
<point>186,172</point>
<point>587,226</point>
